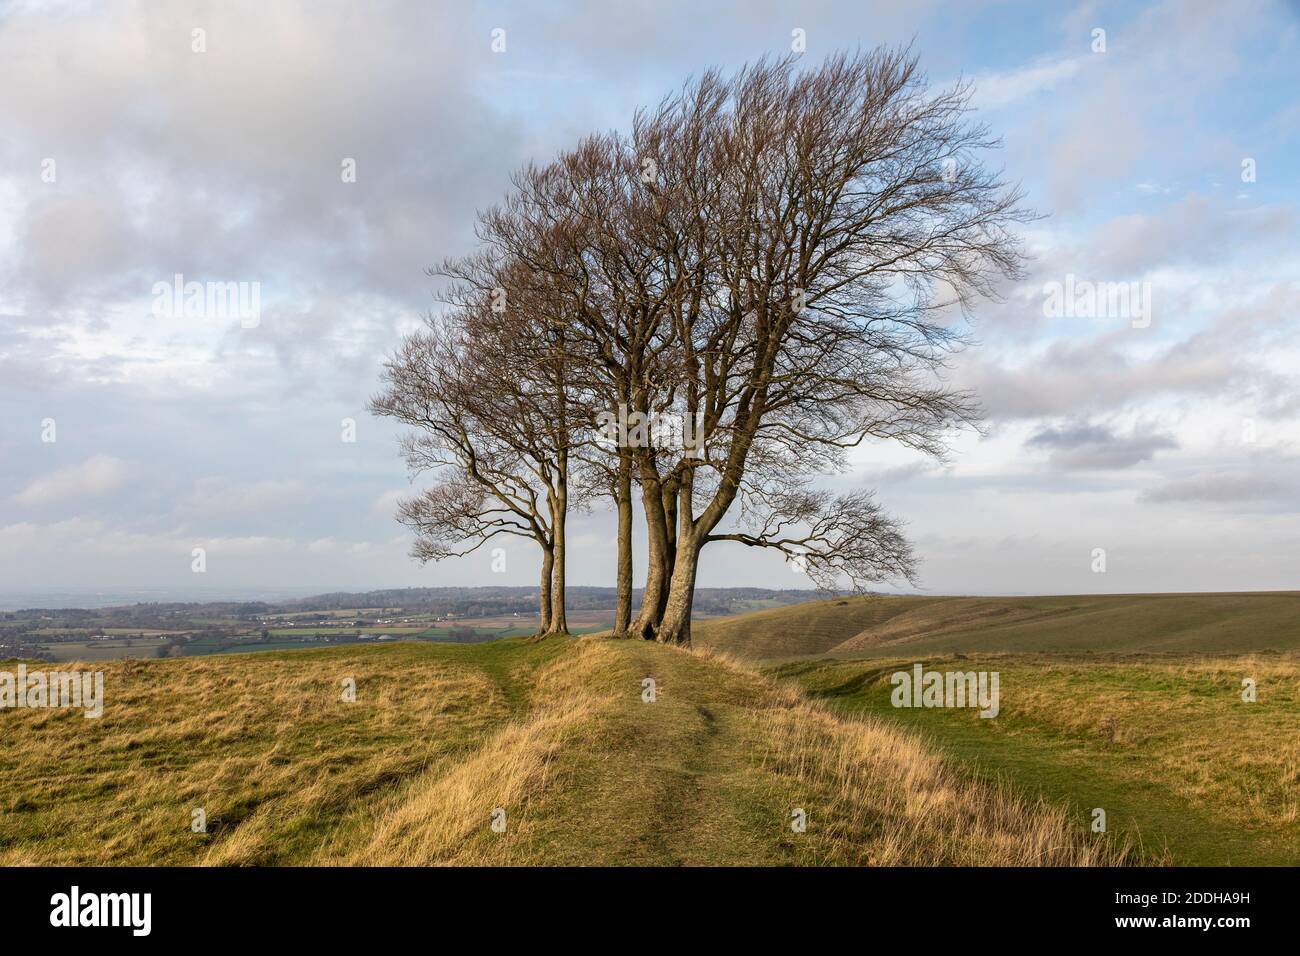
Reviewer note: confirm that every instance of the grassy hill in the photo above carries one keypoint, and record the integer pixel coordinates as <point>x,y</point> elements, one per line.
<point>1131,704</point>
<point>1165,744</point>
<point>1234,623</point>
<point>555,733</point>
<point>1128,703</point>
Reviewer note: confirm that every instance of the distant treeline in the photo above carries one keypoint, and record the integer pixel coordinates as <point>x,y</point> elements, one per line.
<point>488,601</point>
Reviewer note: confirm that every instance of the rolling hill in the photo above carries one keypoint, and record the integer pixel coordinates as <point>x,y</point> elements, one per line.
<point>557,740</point>
<point>887,626</point>
<point>563,739</point>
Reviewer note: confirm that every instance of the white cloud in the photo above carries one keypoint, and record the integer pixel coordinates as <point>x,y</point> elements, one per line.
<point>385,506</point>
<point>93,478</point>
<point>217,496</point>
<point>995,90</point>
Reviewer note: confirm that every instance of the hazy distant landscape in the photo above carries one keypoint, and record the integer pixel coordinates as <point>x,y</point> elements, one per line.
<point>465,615</point>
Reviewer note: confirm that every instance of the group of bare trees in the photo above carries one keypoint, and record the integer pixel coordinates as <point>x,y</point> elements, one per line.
<point>709,311</point>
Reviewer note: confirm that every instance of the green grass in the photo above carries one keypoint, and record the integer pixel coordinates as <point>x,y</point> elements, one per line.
<point>64,651</point>
<point>1193,769</point>
<point>1163,743</point>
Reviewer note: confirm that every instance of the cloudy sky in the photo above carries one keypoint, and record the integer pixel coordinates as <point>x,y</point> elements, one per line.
<point>1164,153</point>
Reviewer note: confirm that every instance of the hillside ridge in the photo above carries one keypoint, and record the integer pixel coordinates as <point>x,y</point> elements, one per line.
<point>563,741</point>
<point>1229,623</point>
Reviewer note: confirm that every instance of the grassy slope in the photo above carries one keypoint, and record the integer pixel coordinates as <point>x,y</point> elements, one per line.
<point>894,626</point>
<point>555,732</point>
<point>1191,767</point>
<point>1165,745</point>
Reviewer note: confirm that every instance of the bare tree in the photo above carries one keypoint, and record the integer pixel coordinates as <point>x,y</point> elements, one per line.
<point>600,224</point>
<point>535,396</point>
<point>484,389</point>
<point>843,219</point>
<point>832,538</point>
<point>587,231</point>
<point>781,261</point>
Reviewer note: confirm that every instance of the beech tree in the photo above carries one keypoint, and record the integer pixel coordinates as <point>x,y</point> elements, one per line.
<point>484,389</point>
<point>586,230</point>
<point>843,224</point>
<point>599,223</point>
<point>783,261</point>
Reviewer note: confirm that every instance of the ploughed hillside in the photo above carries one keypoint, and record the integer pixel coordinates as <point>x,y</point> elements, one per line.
<point>1109,623</point>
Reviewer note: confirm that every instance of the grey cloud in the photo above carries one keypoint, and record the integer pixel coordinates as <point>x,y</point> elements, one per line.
<point>226,164</point>
<point>1097,447</point>
<point>902,474</point>
<point>1107,371</point>
<point>1219,488</point>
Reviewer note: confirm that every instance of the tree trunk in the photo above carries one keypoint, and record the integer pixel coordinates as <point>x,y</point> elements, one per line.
<point>544,591</point>
<point>656,580</point>
<point>623,495</point>
<point>670,492</point>
<point>675,621</point>
<point>675,626</point>
<point>559,622</point>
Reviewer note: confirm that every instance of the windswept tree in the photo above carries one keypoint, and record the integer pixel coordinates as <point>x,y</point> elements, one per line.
<point>587,231</point>
<point>846,219</point>
<point>592,232</point>
<point>532,395</point>
<point>484,389</point>
<point>782,262</point>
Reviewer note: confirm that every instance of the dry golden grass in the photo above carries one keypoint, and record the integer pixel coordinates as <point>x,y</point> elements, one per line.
<point>886,626</point>
<point>554,732</point>
<point>444,817</point>
<point>945,615</point>
<point>878,797</point>
<point>264,744</point>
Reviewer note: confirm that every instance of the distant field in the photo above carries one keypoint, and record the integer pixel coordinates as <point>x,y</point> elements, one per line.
<point>111,631</point>
<point>102,650</point>
<point>281,639</point>
<point>891,626</point>
<point>369,629</point>
<point>200,648</point>
<point>444,633</point>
